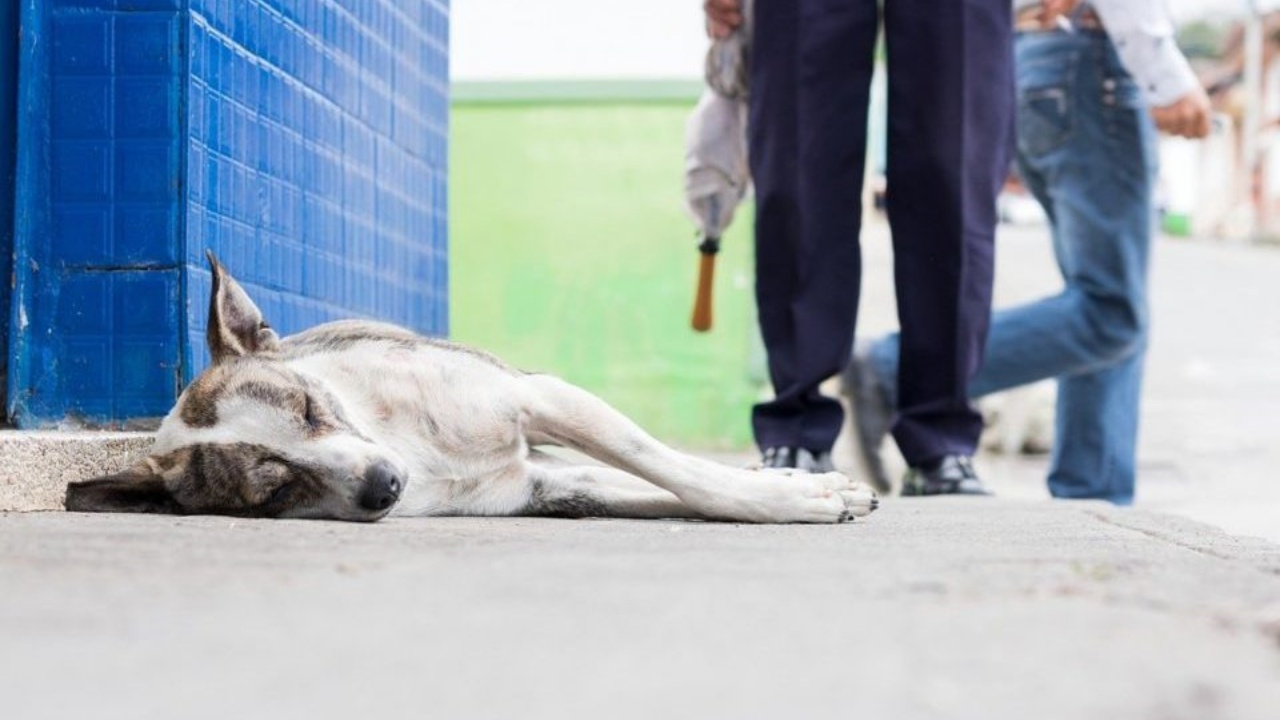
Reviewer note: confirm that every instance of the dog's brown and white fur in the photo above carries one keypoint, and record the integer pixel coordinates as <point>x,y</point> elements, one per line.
<point>355,420</point>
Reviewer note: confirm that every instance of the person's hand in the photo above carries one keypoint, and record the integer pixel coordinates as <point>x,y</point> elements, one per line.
<point>1051,10</point>
<point>1189,116</point>
<point>723,17</point>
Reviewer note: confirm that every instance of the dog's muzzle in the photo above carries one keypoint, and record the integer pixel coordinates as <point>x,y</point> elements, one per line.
<point>382,487</point>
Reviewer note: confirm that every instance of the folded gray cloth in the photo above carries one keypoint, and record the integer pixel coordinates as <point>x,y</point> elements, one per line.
<point>716,176</point>
<point>727,60</point>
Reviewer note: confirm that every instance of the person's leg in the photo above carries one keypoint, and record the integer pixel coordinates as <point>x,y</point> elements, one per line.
<point>808,137</point>
<point>950,112</point>
<point>1111,222</point>
<point>1095,451</point>
<point>1086,149</point>
<point>773,144</point>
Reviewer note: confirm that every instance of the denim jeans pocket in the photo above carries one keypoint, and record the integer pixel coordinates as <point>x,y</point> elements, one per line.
<point>1044,119</point>
<point>1046,65</point>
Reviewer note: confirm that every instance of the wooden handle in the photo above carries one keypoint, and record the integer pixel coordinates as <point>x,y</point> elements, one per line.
<point>702,300</point>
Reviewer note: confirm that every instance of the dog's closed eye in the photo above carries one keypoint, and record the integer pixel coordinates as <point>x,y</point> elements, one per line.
<point>310,415</point>
<point>274,479</point>
<point>270,472</point>
<point>282,493</point>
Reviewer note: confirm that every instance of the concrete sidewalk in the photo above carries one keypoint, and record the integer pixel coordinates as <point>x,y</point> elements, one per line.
<point>930,608</point>
<point>1211,402</point>
<point>1008,608</point>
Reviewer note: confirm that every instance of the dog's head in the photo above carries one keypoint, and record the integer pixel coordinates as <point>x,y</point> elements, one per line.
<point>251,437</point>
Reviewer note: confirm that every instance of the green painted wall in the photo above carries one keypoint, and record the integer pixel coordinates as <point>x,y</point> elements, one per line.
<point>570,253</point>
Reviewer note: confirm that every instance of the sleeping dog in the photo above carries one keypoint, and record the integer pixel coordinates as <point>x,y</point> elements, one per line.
<point>356,420</point>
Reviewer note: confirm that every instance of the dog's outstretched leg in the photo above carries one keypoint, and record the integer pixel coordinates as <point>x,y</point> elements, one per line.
<point>579,420</point>
<point>577,491</point>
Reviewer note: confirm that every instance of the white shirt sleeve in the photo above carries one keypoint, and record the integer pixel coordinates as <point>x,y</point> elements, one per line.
<point>1143,34</point>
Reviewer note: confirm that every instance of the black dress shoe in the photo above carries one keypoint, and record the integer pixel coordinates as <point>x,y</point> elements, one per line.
<point>800,459</point>
<point>952,475</point>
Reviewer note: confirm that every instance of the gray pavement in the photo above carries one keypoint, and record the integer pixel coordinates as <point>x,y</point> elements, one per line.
<point>1008,608</point>
<point>928,609</point>
<point>1210,437</point>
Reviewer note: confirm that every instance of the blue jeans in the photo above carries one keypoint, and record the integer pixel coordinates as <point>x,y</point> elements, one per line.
<point>1086,149</point>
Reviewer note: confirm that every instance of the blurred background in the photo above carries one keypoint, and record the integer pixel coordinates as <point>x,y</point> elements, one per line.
<point>570,251</point>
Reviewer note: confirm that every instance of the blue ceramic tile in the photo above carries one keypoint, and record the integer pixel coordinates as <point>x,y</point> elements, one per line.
<point>81,44</point>
<point>81,170</point>
<point>82,110</point>
<point>304,141</point>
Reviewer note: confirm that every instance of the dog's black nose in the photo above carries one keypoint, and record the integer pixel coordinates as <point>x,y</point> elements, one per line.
<point>381,487</point>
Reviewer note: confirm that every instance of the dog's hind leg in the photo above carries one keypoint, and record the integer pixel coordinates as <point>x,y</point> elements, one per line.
<point>577,419</point>
<point>575,491</point>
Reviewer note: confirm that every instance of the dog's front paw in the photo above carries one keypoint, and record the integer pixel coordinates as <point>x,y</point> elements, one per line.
<point>859,500</point>
<point>800,497</point>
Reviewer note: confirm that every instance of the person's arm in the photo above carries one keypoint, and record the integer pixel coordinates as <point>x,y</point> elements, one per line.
<point>1143,34</point>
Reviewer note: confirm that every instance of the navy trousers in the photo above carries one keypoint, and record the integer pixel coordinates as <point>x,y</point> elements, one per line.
<point>950,123</point>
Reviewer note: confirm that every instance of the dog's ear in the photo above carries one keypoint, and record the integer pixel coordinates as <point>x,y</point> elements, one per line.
<point>236,326</point>
<point>137,490</point>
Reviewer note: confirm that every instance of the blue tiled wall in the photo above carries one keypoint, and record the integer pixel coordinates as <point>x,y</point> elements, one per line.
<point>8,146</point>
<point>317,158</point>
<point>100,182</point>
<point>303,141</point>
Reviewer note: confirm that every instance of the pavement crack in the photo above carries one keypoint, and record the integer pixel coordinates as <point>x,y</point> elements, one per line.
<point>1165,538</point>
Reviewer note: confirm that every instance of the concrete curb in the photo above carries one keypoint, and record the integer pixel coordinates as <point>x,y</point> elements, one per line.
<point>38,465</point>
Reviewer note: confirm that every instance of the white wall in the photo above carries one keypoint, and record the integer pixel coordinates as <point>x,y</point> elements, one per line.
<point>553,39</point>
<point>567,39</point>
